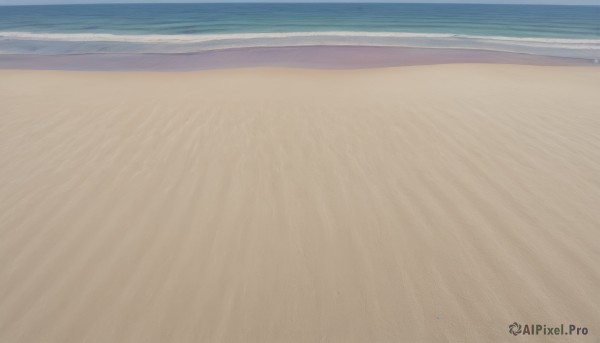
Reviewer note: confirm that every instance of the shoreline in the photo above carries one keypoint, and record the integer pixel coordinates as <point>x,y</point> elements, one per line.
<point>311,57</point>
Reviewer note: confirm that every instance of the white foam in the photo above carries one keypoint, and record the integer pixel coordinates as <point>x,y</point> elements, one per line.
<point>198,38</point>
<point>590,44</point>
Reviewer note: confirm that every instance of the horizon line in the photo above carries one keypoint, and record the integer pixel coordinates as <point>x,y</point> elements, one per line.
<point>298,2</point>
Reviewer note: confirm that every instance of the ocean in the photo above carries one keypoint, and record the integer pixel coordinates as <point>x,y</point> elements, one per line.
<point>562,31</point>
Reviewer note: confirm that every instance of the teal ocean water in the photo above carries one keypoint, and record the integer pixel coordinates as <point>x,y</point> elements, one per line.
<point>565,31</point>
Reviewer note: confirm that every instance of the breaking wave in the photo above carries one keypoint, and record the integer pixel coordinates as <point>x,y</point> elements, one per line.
<point>564,43</point>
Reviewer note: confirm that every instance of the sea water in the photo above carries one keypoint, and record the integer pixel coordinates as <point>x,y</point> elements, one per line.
<point>565,31</point>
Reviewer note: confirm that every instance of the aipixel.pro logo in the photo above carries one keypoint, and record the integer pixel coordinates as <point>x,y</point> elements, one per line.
<point>516,329</point>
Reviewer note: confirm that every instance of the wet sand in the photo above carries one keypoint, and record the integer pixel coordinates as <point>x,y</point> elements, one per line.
<point>314,57</point>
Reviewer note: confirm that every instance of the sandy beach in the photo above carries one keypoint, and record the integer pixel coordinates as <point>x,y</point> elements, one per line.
<point>411,204</point>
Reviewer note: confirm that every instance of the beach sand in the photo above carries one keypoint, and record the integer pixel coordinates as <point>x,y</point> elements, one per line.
<point>411,204</point>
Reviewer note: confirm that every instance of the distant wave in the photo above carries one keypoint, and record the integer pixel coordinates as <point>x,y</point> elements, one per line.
<point>564,43</point>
